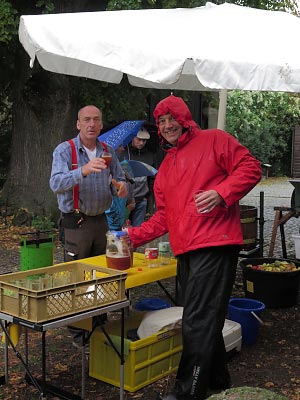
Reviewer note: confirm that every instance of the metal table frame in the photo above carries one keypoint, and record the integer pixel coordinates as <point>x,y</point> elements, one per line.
<point>42,327</point>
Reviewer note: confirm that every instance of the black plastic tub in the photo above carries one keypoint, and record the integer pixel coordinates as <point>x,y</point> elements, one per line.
<point>274,289</point>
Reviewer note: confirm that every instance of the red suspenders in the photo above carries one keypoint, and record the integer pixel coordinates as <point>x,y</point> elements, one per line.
<point>76,187</point>
<point>74,166</point>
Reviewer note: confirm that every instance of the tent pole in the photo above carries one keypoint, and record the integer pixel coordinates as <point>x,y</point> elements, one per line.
<point>222,109</point>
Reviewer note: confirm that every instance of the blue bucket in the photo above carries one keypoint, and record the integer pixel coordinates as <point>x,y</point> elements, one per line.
<point>151,304</point>
<point>246,312</point>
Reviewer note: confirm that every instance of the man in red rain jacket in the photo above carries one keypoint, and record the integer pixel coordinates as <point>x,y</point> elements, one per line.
<point>205,234</point>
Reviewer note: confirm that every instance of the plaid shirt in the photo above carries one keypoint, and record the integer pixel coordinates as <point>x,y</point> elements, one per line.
<point>94,189</point>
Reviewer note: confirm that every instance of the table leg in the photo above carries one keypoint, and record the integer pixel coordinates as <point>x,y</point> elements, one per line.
<point>278,215</point>
<point>83,365</point>
<point>43,383</point>
<point>283,244</point>
<point>8,341</point>
<point>122,360</point>
<point>26,345</point>
<point>174,301</point>
<point>5,356</point>
<point>119,353</point>
<point>280,220</point>
<point>128,295</point>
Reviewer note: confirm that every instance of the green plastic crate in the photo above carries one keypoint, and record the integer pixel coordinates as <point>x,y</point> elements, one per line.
<point>36,253</point>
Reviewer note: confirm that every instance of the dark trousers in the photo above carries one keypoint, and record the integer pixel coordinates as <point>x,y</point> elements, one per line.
<point>205,280</point>
<point>87,240</point>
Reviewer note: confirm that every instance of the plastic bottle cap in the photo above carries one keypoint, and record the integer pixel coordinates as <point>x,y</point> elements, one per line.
<point>164,246</point>
<point>118,234</point>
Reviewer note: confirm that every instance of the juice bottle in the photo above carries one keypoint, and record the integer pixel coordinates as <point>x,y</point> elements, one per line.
<point>118,250</point>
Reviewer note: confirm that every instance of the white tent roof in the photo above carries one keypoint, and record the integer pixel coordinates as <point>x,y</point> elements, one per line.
<point>212,47</point>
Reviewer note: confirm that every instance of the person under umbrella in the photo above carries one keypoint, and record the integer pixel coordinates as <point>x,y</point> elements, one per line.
<point>143,185</point>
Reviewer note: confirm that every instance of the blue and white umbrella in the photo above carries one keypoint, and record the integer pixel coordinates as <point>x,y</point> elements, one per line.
<point>138,168</point>
<point>121,134</point>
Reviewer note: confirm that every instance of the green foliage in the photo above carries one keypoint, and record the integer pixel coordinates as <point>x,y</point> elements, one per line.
<point>42,223</point>
<point>5,132</point>
<point>277,5</point>
<point>9,18</point>
<point>124,102</point>
<point>144,4</point>
<point>124,5</point>
<point>280,5</point>
<point>47,5</point>
<point>264,122</point>
<point>8,22</point>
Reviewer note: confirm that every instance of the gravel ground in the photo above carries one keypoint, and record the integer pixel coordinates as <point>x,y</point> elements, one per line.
<point>268,364</point>
<point>277,193</point>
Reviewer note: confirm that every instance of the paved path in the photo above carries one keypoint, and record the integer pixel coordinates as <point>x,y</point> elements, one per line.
<point>277,193</point>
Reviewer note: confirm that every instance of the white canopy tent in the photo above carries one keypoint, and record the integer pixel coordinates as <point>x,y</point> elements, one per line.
<point>215,47</point>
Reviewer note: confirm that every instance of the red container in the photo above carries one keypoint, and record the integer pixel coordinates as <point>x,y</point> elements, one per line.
<point>151,256</point>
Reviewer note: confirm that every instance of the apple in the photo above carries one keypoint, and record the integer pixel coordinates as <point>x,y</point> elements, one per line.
<point>276,266</point>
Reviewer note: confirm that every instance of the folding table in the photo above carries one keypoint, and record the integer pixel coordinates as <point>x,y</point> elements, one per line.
<point>43,387</point>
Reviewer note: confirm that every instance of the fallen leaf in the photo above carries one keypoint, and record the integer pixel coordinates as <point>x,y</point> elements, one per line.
<point>61,367</point>
<point>269,384</point>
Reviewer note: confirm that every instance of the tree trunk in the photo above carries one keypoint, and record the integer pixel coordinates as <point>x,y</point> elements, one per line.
<point>44,114</point>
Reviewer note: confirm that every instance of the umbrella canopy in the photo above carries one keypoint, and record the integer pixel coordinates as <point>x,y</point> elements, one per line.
<point>121,134</point>
<point>219,47</point>
<point>138,168</point>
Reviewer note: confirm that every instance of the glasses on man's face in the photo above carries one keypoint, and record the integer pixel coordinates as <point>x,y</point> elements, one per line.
<point>141,140</point>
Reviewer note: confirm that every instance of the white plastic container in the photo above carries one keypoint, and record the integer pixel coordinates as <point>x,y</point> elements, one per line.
<point>232,334</point>
<point>164,253</point>
<point>297,245</point>
<point>156,321</point>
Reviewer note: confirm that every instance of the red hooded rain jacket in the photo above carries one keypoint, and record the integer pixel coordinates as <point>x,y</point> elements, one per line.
<point>202,159</point>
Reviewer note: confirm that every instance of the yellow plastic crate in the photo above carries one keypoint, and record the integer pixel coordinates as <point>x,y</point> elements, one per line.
<point>65,289</point>
<point>146,361</point>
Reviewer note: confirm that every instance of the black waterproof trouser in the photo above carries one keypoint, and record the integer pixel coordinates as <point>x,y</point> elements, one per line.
<point>205,280</point>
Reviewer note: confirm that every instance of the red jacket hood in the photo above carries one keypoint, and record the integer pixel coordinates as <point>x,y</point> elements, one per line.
<point>178,109</point>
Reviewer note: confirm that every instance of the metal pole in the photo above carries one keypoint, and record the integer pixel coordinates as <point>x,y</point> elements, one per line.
<point>83,344</point>
<point>261,224</point>
<point>222,109</point>
<point>6,354</point>
<point>43,386</point>
<point>122,361</point>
